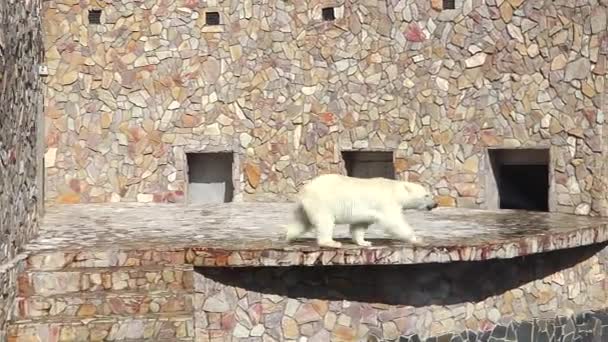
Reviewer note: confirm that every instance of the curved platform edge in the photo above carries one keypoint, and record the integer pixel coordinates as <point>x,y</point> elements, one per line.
<point>250,234</point>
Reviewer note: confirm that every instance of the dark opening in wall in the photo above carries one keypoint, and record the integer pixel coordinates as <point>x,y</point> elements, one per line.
<point>95,16</point>
<point>522,178</point>
<point>328,14</point>
<point>210,177</point>
<point>449,4</point>
<point>369,164</point>
<point>212,18</point>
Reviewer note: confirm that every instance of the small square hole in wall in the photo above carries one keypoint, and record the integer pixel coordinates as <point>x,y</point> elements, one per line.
<point>328,14</point>
<point>449,4</point>
<point>210,177</point>
<point>212,18</point>
<point>95,16</point>
<point>520,178</point>
<point>369,164</point>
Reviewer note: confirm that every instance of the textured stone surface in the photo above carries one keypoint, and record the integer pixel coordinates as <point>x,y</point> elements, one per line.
<point>355,303</point>
<point>79,302</point>
<point>96,304</point>
<point>169,328</point>
<point>585,326</point>
<point>142,278</point>
<point>252,234</point>
<point>286,92</point>
<point>20,107</point>
<point>116,272</point>
<point>20,99</point>
<point>9,273</point>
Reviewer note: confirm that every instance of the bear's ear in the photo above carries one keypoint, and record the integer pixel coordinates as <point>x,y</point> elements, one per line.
<point>407,186</point>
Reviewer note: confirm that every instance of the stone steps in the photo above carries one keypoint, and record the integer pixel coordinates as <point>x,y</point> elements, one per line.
<point>147,328</point>
<point>140,295</point>
<point>100,279</point>
<point>61,260</point>
<point>108,304</point>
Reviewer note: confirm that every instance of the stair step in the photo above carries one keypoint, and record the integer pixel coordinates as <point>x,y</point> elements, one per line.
<point>107,304</point>
<point>147,279</point>
<point>64,260</point>
<point>147,328</point>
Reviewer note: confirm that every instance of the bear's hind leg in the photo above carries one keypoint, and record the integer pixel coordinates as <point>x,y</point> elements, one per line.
<point>325,231</point>
<point>294,230</point>
<point>299,225</point>
<point>323,221</point>
<point>357,232</point>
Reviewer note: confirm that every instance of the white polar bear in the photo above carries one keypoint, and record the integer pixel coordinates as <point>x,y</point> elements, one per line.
<point>336,199</point>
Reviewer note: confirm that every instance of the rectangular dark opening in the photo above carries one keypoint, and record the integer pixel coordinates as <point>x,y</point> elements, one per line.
<point>212,18</point>
<point>328,14</point>
<point>369,164</point>
<point>95,16</point>
<point>210,177</point>
<point>522,178</point>
<point>449,4</point>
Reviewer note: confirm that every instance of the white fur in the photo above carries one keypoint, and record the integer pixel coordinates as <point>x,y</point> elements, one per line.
<point>336,199</point>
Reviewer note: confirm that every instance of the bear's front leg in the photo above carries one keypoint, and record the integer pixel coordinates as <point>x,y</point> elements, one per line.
<point>357,232</point>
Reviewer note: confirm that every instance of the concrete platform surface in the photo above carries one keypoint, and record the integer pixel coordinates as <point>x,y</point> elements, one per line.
<point>251,234</point>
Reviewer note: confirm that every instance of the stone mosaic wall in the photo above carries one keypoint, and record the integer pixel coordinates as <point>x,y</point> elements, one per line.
<point>350,303</point>
<point>64,301</point>
<point>157,295</point>
<point>287,91</point>
<point>586,326</point>
<point>8,292</point>
<point>20,104</point>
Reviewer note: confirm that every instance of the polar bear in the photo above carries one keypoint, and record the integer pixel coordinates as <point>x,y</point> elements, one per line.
<point>337,199</point>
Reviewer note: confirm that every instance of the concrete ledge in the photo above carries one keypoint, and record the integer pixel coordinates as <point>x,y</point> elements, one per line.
<point>251,234</point>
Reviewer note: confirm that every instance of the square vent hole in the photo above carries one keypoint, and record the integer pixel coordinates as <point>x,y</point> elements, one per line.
<point>328,14</point>
<point>210,177</point>
<point>95,16</point>
<point>449,4</point>
<point>369,164</point>
<point>212,18</point>
<point>521,179</point>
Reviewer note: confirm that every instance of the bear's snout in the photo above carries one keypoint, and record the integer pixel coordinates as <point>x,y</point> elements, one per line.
<point>432,206</point>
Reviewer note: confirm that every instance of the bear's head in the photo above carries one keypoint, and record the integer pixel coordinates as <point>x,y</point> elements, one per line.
<point>418,197</point>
